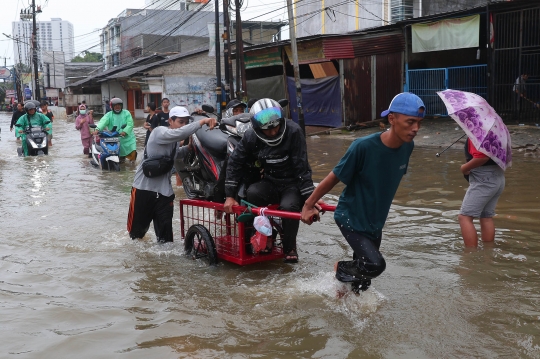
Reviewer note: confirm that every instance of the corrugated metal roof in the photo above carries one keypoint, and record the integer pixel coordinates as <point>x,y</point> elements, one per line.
<point>378,45</point>
<point>132,71</point>
<point>338,48</point>
<point>116,69</point>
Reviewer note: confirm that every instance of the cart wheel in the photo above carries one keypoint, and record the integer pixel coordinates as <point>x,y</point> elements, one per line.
<point>199,244</point>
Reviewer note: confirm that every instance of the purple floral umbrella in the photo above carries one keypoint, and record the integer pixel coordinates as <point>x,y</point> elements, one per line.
<point>481,123</point>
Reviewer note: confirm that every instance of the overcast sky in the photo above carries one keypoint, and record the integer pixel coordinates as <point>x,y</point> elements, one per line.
<point>87,16</point>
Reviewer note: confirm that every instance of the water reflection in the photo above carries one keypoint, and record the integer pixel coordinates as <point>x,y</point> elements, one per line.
<point>71,276</point>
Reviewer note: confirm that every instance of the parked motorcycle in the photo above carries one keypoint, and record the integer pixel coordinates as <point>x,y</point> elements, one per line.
<point>36,141</point>
<point>105,149</point>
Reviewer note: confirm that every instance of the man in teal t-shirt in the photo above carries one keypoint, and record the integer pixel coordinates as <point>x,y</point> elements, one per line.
<point>371,169</point>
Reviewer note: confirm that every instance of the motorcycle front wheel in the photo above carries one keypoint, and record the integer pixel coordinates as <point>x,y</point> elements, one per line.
<point>187,184</point>
<point>200,245</point>
<point>114,166</point>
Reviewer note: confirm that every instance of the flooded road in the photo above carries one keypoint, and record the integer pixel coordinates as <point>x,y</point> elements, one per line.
<point>73,284</point>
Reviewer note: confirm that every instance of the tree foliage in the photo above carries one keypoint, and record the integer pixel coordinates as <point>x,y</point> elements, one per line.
<point>88,57</point>
<point>23,68</point>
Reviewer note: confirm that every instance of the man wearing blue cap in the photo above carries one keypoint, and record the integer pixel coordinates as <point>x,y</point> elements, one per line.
<point>371,169</point>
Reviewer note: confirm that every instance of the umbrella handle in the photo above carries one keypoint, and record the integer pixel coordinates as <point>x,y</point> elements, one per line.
<point>439,154</point>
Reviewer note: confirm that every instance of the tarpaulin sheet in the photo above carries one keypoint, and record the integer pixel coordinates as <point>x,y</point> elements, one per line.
<point>321,100</point>
<point>446,34</point>
<point>269,87</point>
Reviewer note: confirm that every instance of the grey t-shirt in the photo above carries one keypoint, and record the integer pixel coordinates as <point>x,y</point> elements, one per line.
<point>161,143</point>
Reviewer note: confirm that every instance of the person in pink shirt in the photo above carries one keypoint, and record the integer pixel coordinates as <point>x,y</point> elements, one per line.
<point>82,123</point>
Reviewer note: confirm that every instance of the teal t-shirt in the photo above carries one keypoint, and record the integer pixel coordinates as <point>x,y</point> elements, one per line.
<point>371,172</point>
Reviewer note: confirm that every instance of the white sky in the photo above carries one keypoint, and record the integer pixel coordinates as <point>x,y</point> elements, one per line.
<point>87,16</point>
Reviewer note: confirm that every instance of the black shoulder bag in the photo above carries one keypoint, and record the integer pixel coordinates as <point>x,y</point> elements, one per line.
<point>156,166</point>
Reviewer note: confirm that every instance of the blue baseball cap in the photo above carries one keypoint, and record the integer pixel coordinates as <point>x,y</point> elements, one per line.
<point>406,103</point>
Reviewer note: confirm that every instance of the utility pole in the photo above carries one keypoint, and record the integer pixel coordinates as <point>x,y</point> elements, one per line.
<point>34,50</point>
<point>292,35</point>
<point>218,62</point>
<point>240,53</point>
<point>227,50</point>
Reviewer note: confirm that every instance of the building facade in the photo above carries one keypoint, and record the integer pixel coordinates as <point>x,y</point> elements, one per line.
<point>54,35</point>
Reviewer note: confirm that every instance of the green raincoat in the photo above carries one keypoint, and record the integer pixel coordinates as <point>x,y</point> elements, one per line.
<point>128,142</point>
<point>37,119</point>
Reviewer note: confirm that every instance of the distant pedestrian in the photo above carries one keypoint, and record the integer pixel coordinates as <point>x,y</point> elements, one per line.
<point>19,111</point>
<point>520,90</point>
<point>151,109</point>
<point>371,170</point>
<point>107,106</point>
<point>162,118</point>
<point>82,123</point>
<point>45,110</point>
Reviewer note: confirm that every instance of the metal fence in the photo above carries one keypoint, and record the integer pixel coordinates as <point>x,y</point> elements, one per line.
<point>426,82</point>
<point>516,52</point>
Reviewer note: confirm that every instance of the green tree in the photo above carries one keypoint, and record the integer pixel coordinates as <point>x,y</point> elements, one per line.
<point>88,57</point>
<point>23,68</point>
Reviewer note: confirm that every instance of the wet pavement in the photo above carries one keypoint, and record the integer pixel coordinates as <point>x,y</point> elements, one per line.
<point>74,285</point>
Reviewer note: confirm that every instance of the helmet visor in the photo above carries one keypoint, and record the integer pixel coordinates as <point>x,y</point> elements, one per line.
<point>268,118</point>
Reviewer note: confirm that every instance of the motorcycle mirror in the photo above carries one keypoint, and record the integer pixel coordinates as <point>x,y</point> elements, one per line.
<point>124,126</point>
<point>18,125</point>
<point>113,129</point>
<point>283,102</point>
<point>92,126</point>
<point>47,122</point>
<point>208,108</point>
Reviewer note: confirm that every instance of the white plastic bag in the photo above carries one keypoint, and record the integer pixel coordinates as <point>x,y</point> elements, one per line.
<point>262,225</point>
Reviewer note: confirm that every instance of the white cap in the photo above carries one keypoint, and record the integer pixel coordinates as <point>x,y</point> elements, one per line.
<point>179,111</point>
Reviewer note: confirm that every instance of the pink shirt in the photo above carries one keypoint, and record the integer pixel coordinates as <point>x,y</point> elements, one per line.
<point>84,128</point>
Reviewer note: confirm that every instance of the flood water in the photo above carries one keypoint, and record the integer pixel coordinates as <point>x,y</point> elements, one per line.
<point>73,284</point>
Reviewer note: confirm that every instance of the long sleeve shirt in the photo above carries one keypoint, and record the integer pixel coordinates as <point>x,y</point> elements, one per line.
<point>161,142</point>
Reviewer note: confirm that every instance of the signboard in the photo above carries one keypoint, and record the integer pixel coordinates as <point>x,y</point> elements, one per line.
<point>152,86</point>
<point>264,57</point>
<point>10,93</point>
<point>4,73</point>
<point>308,52</point>
<point>51,92</point>
<point>27,94</point>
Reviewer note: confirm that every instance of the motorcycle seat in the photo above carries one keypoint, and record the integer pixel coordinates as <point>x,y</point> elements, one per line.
<point>213,141</point>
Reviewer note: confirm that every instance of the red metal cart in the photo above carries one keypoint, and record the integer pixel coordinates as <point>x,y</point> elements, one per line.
<point>212,235</point>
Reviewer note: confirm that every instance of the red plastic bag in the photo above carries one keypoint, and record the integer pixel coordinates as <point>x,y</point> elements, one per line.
<point>258,242</point>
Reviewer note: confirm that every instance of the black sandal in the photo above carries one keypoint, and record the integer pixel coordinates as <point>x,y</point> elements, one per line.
<point>291,257</point>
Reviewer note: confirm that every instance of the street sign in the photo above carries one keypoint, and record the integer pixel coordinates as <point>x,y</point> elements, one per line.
<point>5,73</point>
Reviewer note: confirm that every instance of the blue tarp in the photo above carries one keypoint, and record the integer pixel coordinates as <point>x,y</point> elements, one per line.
<point>321,101</point>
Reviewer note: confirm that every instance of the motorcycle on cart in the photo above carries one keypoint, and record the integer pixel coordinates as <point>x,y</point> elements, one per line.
<point>209,233</point>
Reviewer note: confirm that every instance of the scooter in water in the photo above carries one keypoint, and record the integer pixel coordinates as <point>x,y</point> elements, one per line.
<point>36,141</point>
<point>105,149</point>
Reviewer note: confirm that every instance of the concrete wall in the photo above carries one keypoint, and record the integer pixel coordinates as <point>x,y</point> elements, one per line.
<point>189,82</point>
<point>112,89</point>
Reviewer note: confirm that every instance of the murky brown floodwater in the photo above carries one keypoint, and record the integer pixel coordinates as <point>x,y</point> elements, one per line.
<point>73,284</point>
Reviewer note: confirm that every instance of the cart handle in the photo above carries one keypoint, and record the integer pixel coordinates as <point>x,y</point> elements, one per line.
<point>286,214</point>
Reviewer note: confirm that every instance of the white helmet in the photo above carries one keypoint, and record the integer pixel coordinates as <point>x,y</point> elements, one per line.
<point>266,114</point>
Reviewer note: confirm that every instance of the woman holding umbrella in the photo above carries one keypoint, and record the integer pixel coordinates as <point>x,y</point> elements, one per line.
<point>488,153</point>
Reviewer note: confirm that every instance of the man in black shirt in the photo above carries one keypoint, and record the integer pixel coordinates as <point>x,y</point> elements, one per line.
<point>162,118</point>
<point>16,114</point>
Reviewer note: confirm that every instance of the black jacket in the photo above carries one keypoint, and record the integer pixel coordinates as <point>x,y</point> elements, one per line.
<point>285,164</point>
<point>16,115</point>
